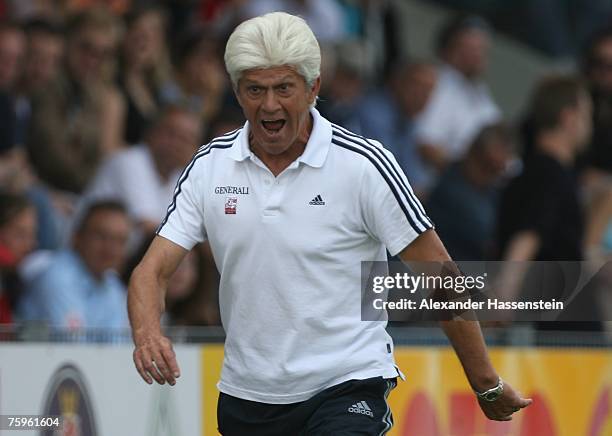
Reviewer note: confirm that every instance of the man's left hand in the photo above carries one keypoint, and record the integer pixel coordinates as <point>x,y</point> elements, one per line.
<point>508,403</point>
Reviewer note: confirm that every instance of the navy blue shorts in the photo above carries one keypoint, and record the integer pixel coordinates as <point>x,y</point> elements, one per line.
<point>355,407</point>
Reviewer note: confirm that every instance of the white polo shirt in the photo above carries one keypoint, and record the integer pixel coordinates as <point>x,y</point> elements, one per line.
<point>289,250</point>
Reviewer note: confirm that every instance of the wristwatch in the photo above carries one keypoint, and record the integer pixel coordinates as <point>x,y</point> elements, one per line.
<point>492,394</point>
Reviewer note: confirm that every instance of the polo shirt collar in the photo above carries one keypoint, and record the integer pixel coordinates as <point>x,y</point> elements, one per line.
<point>316,149</point>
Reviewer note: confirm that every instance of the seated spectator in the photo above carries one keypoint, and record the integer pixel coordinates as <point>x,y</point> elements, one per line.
<point>145,67</point>
<point>461,103</point>
<point>390,116</point>
<point>77,121</point>
<point>80,287</point>
<point>470,189</point>
<point>17,239</point>
<point>199,82</point>
<point>143,177</point>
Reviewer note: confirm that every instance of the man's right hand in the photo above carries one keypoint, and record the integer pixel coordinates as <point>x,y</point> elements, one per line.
<point>155,359</point>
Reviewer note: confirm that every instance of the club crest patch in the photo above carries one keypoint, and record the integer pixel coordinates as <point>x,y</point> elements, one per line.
<point>230,205</point>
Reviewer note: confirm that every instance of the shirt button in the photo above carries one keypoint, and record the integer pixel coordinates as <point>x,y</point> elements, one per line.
<point>267,181</point>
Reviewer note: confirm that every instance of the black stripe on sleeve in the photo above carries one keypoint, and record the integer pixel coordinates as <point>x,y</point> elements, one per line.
<point>407,191</point>
<point>376,164</point>
<point>376,156</point>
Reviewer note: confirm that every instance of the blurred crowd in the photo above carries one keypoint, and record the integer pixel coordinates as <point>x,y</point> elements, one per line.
<point>102,103</point>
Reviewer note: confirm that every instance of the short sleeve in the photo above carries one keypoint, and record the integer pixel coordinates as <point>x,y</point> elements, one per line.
<point>184,221</point>
<point>391,212</point>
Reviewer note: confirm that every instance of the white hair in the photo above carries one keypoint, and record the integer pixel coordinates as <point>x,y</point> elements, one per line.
<point>273,40</point>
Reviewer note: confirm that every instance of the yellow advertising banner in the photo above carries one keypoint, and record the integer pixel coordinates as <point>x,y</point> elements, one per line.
<point>571,389</point>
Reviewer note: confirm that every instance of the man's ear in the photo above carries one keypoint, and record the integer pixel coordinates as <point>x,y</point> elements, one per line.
<point>314,91</point>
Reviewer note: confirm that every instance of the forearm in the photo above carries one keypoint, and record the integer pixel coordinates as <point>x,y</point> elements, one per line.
<point>469,345</point>
<point>145,302</point>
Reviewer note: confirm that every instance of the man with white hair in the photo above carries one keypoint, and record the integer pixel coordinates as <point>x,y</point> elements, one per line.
<point>291,204</point>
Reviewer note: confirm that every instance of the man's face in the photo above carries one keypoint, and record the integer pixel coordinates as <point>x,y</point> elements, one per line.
<point>102,242</point>
<point>469,53</point>
<point>175,138</point>
<point>276,103</point>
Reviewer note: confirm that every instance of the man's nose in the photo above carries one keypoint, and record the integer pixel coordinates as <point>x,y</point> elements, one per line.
<point>270,101</point>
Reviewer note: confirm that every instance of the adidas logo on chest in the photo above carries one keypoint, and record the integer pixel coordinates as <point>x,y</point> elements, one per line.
<point>317,201</point>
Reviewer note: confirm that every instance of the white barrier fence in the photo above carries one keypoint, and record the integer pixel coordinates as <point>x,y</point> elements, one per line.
<point>98,391</point>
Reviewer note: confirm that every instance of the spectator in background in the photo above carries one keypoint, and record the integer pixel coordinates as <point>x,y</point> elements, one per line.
<point>16,178</point>
<point>79,120</point>
<point>12,52</point>
<point>470,189</point>
<point>143,177</point>
<point>145,67</point>
<point>461,103</point>
<point>390,116</point>
<point>200,83</point>
<point>80,287</point>
<point>44,55</point>
<point>540,216</point>
<point>17,239</point>
<point>41,67</point>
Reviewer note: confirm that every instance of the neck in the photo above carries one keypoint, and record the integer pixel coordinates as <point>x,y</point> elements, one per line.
<point>558,145</point>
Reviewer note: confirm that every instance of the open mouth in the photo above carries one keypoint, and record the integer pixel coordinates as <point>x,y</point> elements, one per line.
<point>273,126</point>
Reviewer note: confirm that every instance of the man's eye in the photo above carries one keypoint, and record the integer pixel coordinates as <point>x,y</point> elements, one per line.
<point>254,89</point>
<point>284,88</point>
